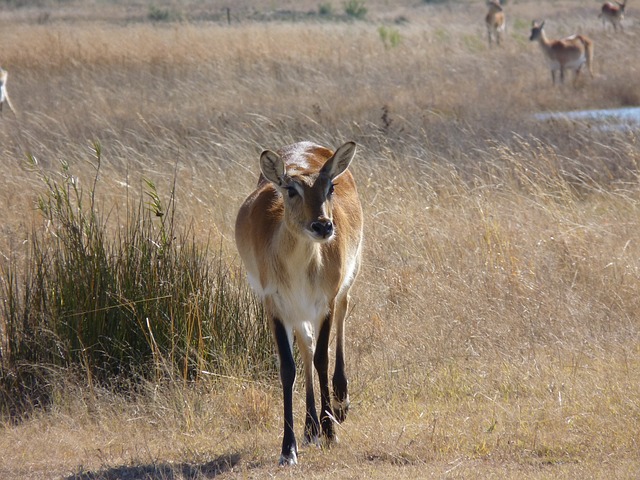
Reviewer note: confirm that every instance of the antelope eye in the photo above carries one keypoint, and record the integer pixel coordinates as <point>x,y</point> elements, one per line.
<point>332,187</point>
<point>292,192</point>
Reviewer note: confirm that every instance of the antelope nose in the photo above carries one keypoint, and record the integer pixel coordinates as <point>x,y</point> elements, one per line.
<point>323,228</point>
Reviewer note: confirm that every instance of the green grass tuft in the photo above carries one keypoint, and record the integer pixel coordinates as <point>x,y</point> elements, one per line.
<point>144,300</point>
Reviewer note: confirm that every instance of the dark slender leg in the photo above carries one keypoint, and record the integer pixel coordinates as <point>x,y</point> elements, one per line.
<point>321,362</point>
<point>340,388</point>
<point>340,384</point>
<point>289,454</point>
<point>311,423</point>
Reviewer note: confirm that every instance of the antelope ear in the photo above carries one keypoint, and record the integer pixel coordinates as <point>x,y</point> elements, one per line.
<point>272,167</point>
<point>340,161</point>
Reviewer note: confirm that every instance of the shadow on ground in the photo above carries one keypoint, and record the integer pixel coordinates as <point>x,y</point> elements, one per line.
<point>162,471</point>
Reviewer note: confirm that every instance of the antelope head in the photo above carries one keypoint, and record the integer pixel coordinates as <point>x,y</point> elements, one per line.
<point>307,197</point>
<point>536,30</point>
<point>495,5</point>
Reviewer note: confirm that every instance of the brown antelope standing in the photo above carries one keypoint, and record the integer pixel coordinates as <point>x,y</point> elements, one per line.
<point>614,14</point>
<point>4,95</point>
<point>569,53</point>
<point>495,21</point>
<point>299,235</point>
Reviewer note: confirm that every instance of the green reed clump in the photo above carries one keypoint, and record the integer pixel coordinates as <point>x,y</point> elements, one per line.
<point>355,9</point>
<point>144,300</point>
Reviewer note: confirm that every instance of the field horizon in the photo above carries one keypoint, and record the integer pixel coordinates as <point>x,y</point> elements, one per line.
<point>494,329</point>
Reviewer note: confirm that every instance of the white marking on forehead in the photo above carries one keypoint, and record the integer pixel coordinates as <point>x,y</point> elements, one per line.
<point>299,155</point>
<point>300,166</point>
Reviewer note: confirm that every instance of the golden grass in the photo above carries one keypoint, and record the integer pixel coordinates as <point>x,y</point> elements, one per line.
<point>494,331</point>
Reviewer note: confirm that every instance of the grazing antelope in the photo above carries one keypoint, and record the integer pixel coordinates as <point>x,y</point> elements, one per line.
<point>495,21</point>
<point>568,53</point>
<point>613,14</point>
<point>299,235</point>
<point>4,95</point>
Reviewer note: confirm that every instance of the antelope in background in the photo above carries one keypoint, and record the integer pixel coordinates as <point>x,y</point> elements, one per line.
<point>495,21</point>
<point>614,14</point>
<point>299,235</point>
<point>4,95</point>
<point>569,53</point>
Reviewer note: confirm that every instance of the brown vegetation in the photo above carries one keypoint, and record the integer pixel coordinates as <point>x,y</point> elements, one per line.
<point>494,331</point>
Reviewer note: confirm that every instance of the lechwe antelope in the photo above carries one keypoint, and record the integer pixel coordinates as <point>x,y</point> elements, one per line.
<point>4,95</point>
<point>614,14</point>
<point>495,21</point>
<point>569,53</point>
<point>299,235</point>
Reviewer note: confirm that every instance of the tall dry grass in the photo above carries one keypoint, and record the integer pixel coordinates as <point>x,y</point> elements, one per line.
<point>494,331</point>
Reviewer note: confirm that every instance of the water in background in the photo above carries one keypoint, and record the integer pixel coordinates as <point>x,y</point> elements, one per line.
<point>614,119</point>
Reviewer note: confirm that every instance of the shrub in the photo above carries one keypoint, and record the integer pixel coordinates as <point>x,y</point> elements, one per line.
<point>325,9</point>
<point>157,14</point>
<point>146,301</point>
<point>390,36</point>
<point>355,9</point>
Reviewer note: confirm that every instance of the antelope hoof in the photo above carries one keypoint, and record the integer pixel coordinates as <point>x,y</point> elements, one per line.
<point>311,439</point>
<point>330,438</point>
<point>340,409</point>
<point>290,459</point>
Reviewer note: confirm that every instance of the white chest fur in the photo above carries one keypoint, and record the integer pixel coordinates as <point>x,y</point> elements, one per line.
<point>293,287</point>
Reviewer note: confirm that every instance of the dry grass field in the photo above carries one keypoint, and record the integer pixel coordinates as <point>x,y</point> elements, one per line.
<point>495,328</point>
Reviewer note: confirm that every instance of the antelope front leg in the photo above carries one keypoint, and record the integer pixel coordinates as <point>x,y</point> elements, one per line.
<point>321,361</point>
<point>311,423</point>
<point>575,78</point>
<point>340,383</point>
<point>284,341</point>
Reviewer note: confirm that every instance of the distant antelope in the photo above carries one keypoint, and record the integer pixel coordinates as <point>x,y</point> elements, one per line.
<point>4,95</point>
<point>614,14</point>
<point>495,21</point>
<point>299,235</point>
<point>569,53</point>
